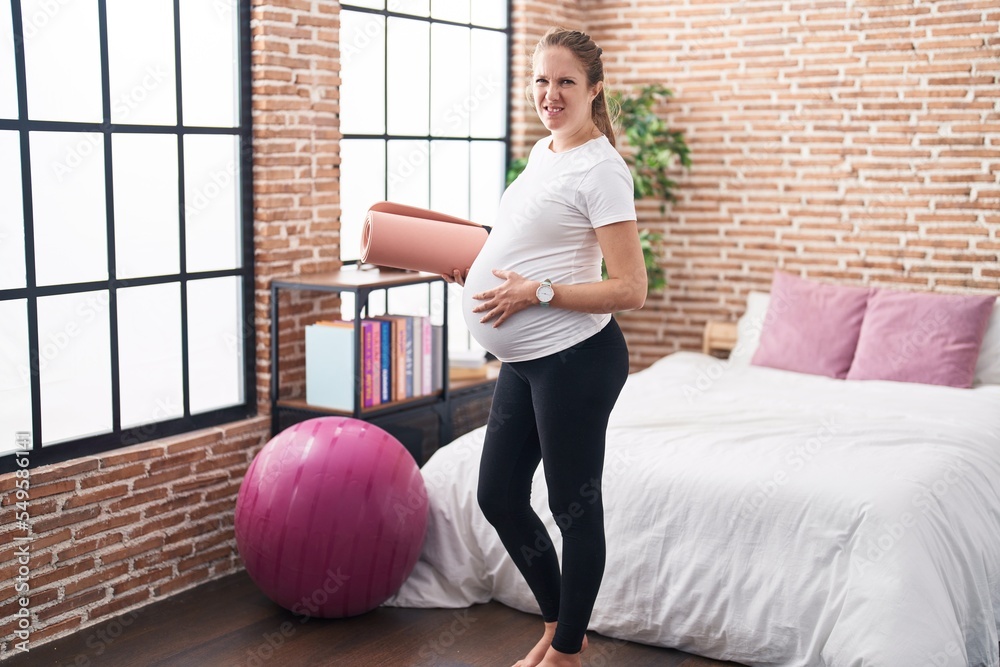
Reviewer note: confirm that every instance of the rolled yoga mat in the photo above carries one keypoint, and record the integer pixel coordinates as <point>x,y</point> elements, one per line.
<point>407,237</point>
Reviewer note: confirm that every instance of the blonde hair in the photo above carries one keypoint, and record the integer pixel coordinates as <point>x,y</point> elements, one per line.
<point>602,111</point>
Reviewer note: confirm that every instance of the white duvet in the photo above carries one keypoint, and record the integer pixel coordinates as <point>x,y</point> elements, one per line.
<point>769,518</point>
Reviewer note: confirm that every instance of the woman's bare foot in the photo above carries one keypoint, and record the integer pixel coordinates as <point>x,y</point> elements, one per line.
<point>554,658</point>
<point>539,653</point>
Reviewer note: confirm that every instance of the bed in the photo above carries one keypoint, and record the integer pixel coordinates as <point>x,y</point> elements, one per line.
<point>767,517</point>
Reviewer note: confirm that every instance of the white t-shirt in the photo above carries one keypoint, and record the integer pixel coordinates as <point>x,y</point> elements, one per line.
<point>545,230</point>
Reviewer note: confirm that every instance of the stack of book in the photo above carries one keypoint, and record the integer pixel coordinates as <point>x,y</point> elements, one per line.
<point>400,358</point>
<point>467,365</point>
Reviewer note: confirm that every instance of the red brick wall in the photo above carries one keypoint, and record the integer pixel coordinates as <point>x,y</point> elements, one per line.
<point>296,72</point>
<point>857,142</point>
<point>116,531</point>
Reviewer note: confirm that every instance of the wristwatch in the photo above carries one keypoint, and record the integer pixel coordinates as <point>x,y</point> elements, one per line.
<point>545,293</point>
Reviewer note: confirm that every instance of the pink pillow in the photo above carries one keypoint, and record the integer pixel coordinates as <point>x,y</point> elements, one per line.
<point>921,337</point>
<point>811,327</point>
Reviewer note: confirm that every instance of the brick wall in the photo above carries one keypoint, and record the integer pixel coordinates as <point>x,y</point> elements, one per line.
<point>114,532</point>
<point>296,72</point>
<point>853,141</point>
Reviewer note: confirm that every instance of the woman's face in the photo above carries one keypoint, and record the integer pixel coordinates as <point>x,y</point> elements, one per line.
<point>562,96</point>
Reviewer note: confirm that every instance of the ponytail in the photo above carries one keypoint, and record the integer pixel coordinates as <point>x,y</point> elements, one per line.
<point>604,113</point>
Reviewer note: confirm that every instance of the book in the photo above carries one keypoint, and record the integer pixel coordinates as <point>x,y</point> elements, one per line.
<point>330,365</point>
<point>366,363</point>
<point>408,359</point>
<point>386,358</point>
<point>437,349</point>
<point>399,357</point>
<point>376,328</point>
<point>418,356</point>
<point>427,378</point>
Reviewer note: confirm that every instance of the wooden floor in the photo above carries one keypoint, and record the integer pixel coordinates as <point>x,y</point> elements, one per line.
<point>228,622</point>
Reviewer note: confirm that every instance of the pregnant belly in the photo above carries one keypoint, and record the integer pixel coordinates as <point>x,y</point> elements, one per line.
<point>496,340</point>
<point>529,333</point>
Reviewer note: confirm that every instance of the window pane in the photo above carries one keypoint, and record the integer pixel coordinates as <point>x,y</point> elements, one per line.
<point>211,202</point>
<point>438,295</point>
<point>147,238</point>
<point>209,63</point>
<point>11,213</point>
<point>414,7</point>
<point>489,84</point>
<point>62,57</point>
<point>8,79</point>
<point>451,101</point>
<point>70,215</point>
<point>362,73</point>
<point>492,14</point>
<point>141,62</point>
<point>450,177</point>
<point>409,300</point>
<point>409,76</point>
<point>15,373</point>
<point>459,338</point>
<point>74,350</point>
<point>452,10</point>
<point>215,348</point>
<point>409,173</point>
<point>374,4</point>
<point>149,354</point>
<point>486,174</point>
<point>362,183</point>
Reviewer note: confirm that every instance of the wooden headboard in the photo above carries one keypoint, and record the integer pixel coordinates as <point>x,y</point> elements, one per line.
<point>719,338</point>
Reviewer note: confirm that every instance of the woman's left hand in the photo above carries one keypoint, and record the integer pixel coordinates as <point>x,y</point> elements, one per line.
<point>515,293</point>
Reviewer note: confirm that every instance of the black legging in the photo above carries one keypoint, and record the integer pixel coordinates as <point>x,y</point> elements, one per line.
<point>555,409</point>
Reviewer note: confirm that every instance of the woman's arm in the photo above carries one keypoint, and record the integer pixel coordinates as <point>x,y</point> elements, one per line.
<point>625,288</point>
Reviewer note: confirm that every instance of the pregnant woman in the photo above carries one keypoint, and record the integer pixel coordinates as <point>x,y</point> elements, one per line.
<point>534,298</point>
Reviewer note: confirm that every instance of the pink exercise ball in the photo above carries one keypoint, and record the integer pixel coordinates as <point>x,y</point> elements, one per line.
<point>331,517</point>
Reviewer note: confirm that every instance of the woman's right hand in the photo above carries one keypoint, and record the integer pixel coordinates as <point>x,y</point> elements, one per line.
<point>456,276</point>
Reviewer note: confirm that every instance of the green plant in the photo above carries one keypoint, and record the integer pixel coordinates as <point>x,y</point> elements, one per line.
<point>651,149</point>
<point>517,165</point>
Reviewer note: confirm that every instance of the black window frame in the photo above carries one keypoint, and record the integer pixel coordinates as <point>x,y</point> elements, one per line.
<point>386,136</point>
<point>118,437</point>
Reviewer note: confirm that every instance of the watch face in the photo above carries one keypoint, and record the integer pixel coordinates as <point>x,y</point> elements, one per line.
<point>544,293</point>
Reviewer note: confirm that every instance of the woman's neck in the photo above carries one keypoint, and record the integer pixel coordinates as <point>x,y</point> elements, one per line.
<point>561,143</point>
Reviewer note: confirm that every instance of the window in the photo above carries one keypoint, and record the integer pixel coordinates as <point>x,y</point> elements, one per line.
<point>125,224</point>
<point>424,116</point>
